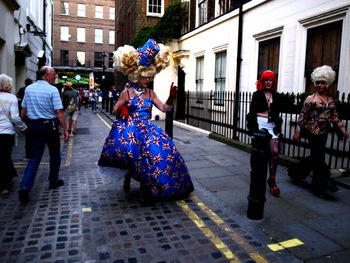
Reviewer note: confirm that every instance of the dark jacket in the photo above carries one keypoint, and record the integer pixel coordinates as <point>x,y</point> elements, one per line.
<point>259,104</point>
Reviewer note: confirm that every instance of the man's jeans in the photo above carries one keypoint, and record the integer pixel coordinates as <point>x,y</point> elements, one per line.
<point>41,133</point>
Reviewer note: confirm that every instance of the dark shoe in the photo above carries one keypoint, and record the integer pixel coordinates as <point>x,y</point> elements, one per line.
<point>274,190</point>
<point>23,196</point>
<point>74,132</point>
<point>56,184</point>
<point>126,183</point>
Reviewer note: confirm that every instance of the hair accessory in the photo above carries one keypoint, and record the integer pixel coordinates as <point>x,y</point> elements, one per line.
<point>147,52</point>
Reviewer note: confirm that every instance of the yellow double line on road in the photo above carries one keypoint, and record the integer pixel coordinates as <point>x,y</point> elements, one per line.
<point>213,238</point>
<point>218,243</point>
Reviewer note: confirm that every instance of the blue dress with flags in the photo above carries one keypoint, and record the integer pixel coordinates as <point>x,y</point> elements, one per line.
<point>139,145</point>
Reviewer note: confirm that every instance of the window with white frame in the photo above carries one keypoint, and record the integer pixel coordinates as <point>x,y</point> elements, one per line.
<point>111,37</point>
<point>220,77</point>
<point>112,13</point>
<point>80,58</point>
<point>64,8</point>
<point>80,34</point>
<point>64,33</point>
<point>155,7</point>
<point>202,12</point>
<point>98,36</point>
<point>99,11</point>
<point>199,78</point>
<point>81,10</point>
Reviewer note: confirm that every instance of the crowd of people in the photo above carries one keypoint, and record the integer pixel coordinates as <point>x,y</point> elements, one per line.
<point>42,112</point>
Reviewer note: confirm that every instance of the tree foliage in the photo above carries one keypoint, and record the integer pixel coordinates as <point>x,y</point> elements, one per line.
<point>166,29</point>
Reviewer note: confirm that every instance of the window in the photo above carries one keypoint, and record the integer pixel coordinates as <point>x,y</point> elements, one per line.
<point>64,8</point>
<point>112,13</point>
<point>111,37</point>
<point>98,59</point>
<point>98,11</point>
<point>64,57</point>
<point>65,33</point>
<point>81,10</point>
<point>269,53</point>
<point>155,7</point>
<point>110,60</point>
<point>202,12</point>
<point>80,59</point>
<point>323,48</point>
<point>220,77</point>
<point>80,34</point>
<point>98,36</point>
<point>199,78</point>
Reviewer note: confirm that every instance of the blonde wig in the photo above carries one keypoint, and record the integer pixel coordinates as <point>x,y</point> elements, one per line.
<point>126,60</point>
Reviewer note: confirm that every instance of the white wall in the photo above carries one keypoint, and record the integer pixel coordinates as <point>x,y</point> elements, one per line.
<point>262,20</point>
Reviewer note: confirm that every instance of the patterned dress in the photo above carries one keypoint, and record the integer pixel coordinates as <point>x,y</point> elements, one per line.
<point>138,144</point>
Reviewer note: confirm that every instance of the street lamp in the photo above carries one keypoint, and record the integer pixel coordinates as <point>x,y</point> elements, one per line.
<point>103,64</point>
<point>65,78</point>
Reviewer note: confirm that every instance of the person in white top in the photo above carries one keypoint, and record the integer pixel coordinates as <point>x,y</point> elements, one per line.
<point>9,119</point>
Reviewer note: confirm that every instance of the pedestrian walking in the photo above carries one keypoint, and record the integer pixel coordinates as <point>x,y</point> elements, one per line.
<point>20,92</point>
<point>42,106</point>
<point>316,119</point>
<point>70,106</point>
<point>134,142</point>
<point>93,100</point>
<point>9,119</point>
<point>86,95</point>
<point>264,114</point>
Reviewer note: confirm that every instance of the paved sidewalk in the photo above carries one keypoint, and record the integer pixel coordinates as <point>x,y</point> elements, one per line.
<point>90,219</point>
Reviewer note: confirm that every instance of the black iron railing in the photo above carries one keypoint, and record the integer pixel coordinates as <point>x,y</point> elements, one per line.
<point>214,111</point>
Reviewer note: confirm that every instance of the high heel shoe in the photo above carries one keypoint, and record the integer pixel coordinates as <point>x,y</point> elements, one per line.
<point>126,183</point>
<point>274,190</point>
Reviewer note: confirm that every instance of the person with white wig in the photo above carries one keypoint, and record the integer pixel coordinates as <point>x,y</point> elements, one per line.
<point>315,121</point>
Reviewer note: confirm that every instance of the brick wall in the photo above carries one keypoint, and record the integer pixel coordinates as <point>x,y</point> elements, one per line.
<point>90,24</point>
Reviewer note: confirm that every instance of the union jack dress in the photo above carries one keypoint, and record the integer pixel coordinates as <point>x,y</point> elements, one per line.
<point>138,144</point>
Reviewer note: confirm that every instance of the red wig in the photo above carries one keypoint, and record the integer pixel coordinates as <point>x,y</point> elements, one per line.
<point>268,74</point>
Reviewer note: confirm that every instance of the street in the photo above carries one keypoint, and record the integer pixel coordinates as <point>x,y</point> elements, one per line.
<point>90,219</point>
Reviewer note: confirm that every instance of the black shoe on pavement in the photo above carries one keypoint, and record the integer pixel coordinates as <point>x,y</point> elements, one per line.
<point>23,196</point>
<point>56,184</point>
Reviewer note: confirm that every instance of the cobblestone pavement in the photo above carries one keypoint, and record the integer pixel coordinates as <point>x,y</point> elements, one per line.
<point>90,219</point>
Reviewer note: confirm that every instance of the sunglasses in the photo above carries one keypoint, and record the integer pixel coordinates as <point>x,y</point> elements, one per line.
<point>320,82</point>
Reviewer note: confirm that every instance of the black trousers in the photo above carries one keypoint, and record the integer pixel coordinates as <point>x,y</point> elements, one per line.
<point>315,162</point>
<point>7,168</point>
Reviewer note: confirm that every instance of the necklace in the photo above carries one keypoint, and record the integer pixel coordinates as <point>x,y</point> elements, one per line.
<point>138,90</point>
<point>268,99</point>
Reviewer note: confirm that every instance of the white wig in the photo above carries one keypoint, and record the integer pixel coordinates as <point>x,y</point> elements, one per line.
<point>323,73</point>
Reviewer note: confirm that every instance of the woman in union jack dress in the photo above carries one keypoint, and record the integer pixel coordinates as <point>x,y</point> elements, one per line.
<point>134,142</point>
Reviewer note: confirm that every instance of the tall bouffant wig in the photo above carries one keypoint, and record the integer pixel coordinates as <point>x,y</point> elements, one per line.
<point>146,61</point>
<point>268,74</point>
<point>323,73</point>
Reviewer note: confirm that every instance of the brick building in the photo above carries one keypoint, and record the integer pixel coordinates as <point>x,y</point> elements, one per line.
<point>133,15</point>
<point>84,39</point>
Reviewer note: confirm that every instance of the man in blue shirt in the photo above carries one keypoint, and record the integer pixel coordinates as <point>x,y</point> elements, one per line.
<point>43,110</point>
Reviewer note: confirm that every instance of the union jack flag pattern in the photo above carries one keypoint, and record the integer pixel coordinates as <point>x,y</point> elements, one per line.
<point>138,144</point>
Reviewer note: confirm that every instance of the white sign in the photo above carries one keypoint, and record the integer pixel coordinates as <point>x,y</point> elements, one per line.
<point>77,77</point>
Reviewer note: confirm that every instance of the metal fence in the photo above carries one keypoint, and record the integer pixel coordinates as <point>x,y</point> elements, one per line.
<point>214,111</point>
